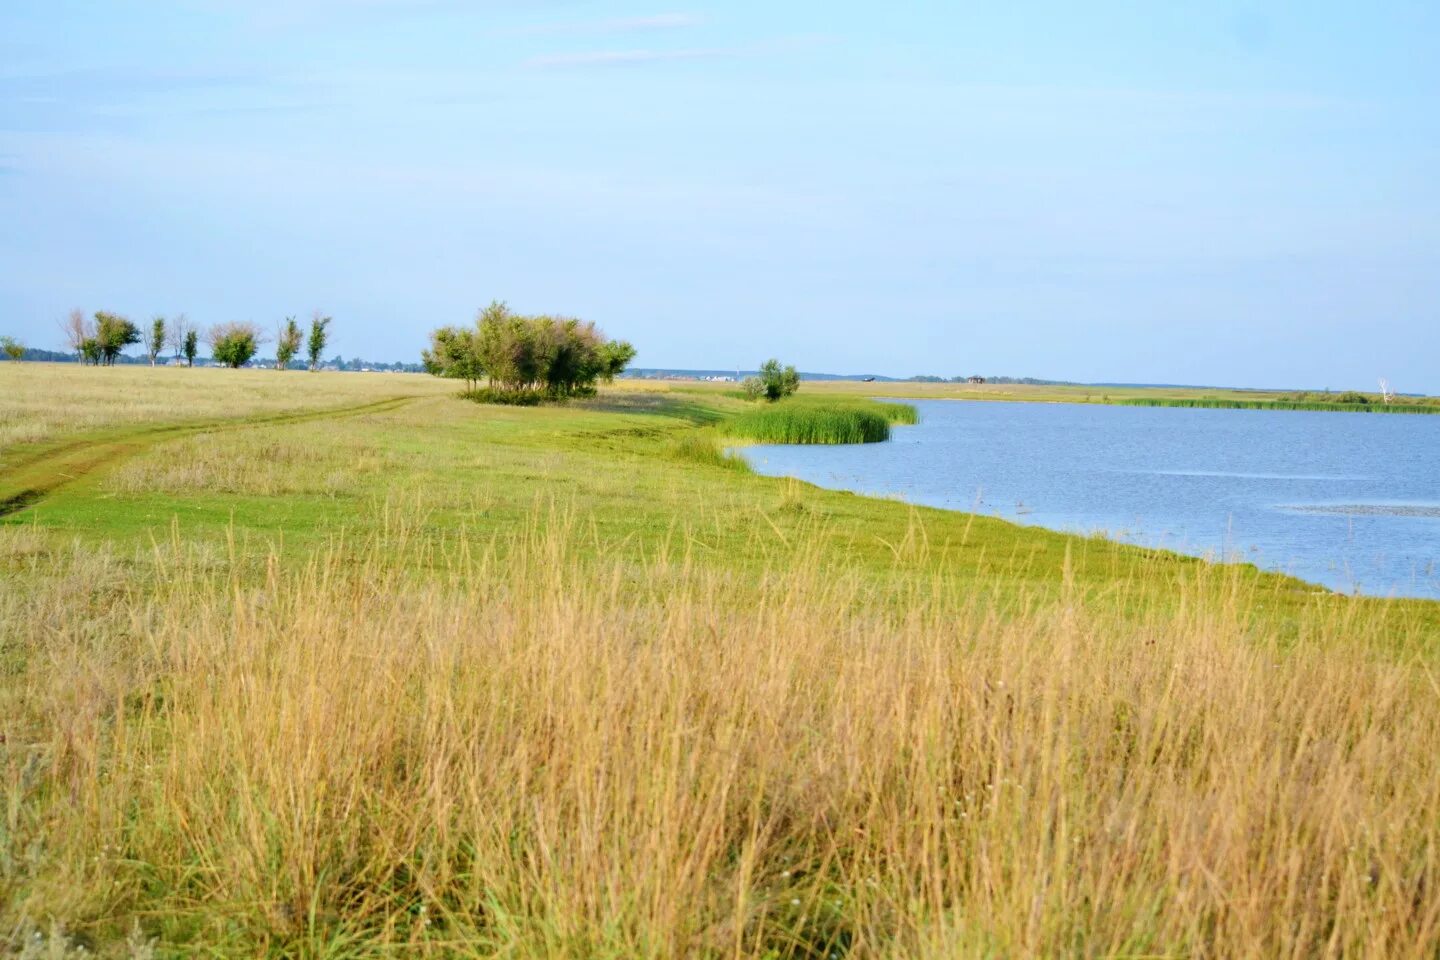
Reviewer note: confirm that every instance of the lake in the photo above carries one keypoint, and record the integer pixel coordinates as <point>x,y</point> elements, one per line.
<point>1347,500</point>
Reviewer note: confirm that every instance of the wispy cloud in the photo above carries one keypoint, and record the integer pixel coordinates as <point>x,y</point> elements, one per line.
<point>603,58</point>
<point>659,21</point>
<point>268,15</point>
<point>619,58</point>
<point>113,83</point>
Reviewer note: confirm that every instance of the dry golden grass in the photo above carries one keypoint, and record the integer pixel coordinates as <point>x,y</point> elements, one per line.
<point>532,751</point>
<point>47,401</point>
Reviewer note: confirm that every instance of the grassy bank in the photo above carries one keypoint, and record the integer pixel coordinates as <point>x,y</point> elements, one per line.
<point>450,680</point>
<point>1231,404</point>
<point>1060,393</point>
<point>805,421</point>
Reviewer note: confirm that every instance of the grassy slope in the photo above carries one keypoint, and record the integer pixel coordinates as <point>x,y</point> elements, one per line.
<point>314,547</point>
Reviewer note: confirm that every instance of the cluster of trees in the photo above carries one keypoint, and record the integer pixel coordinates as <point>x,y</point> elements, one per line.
<point>774,382</point>
<point>12,348</point>
<point>520,355</point>
<point>101,339</point>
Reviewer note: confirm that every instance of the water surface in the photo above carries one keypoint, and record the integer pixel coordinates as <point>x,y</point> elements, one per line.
<point>1347,500</point>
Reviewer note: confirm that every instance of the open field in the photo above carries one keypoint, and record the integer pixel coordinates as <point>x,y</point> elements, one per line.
<point>405,675</point>
<point>45,402</point>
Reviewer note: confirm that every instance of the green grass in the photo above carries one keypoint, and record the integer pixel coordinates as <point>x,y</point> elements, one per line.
<point>704,447</point>
<point>794,421</point>
<point>1217,404</point>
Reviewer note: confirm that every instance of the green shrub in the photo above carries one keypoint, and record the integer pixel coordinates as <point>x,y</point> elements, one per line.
<point>509,398</point>
<point>234,344</point>
<point>776,382</point>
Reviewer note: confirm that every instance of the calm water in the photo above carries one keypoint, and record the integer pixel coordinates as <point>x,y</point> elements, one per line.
<point>1351,501</point>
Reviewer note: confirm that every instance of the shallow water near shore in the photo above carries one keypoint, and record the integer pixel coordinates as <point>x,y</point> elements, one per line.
<point>1348,501</point>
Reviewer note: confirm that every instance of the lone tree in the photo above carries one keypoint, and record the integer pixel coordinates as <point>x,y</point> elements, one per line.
<point>12,348</point>
<point>77,330</point>
<point>155,339</point>
<point>776,382</point>
<point>180,330</point>
<point>287,343</point>
<point>113,333</point>
<point>191,346</point>
<point>528,356</point>
<point>234,344</point>
<point>319,337</point>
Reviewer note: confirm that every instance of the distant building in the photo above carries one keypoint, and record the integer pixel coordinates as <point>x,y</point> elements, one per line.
<point>976,380</point>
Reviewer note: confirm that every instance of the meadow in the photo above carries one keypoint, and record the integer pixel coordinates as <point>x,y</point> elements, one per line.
<point>44,402</point>
<point>380,672</point>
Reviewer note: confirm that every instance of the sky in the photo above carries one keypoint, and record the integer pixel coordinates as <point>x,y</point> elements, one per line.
<point>1223,193</point>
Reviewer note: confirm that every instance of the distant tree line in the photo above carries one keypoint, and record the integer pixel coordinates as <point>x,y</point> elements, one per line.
<point>100,339</point>
<point>526,358</point>
<point>1034,381</point>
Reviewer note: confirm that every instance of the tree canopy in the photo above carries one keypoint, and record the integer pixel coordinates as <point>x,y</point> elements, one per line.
<point>154,339</point>
<point>774,382</point>
<point>113,333</point>
<point>287,343</point>
<point>319,336</point>
<point>234,344</point>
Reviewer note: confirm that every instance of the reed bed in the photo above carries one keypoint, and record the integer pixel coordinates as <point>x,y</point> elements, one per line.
<point>517,747</point>
<point>796,422</point>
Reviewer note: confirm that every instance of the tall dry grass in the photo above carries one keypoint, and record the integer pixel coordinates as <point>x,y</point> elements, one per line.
<point>527,751</point>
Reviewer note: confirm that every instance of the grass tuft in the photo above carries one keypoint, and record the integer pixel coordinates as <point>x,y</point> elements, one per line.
<point>704,447</point>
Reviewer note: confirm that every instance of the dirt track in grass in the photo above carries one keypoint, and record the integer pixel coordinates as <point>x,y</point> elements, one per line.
<point>28,476</point>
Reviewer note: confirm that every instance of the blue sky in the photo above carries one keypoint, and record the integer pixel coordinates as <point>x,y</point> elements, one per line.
<point>1222,193</point>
